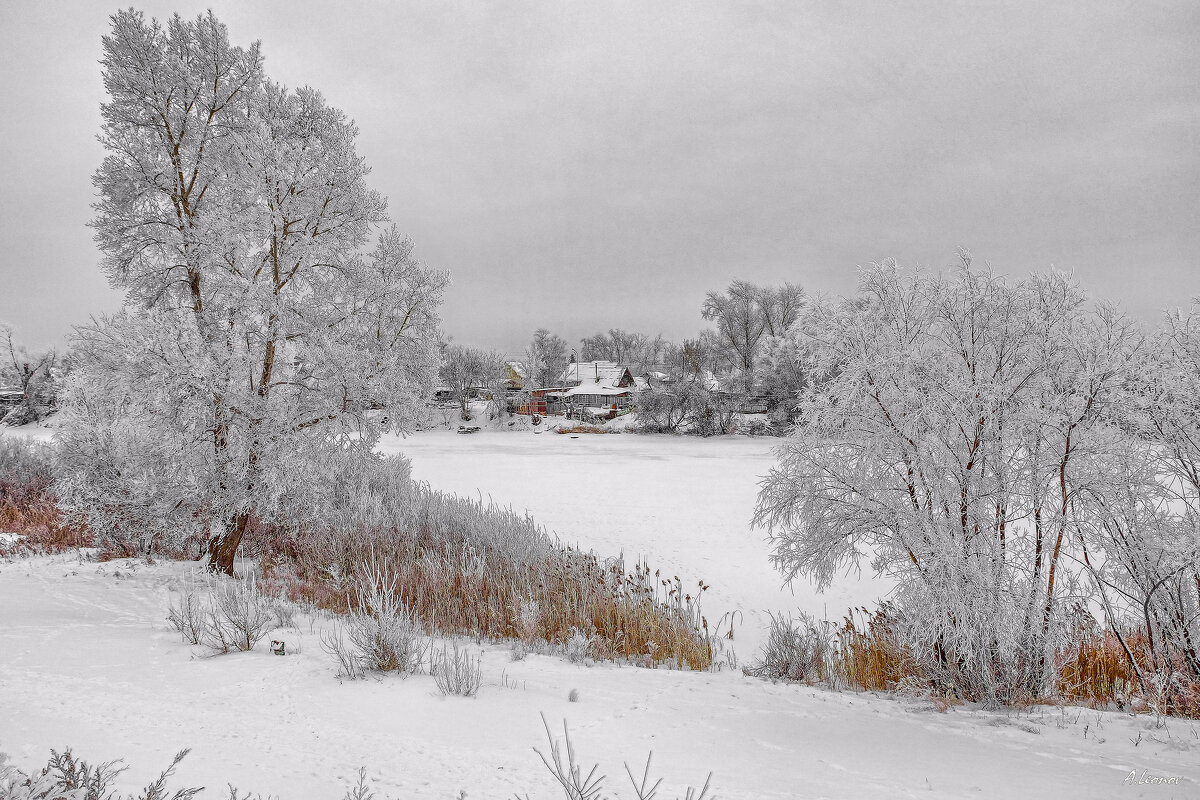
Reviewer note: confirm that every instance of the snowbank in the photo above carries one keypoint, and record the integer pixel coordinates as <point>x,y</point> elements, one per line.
<point>87,660</point>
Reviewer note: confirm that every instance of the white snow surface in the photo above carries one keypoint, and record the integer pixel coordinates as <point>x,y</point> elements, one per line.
<point>88,660</point>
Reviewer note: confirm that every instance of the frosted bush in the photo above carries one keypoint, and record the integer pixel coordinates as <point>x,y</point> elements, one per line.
<point>239,616</point>
<point>349,658</point>
<point>189,616</point>
<point>796,650</point>
<point>457,672</point>
<point>67,778</point>
<point>579,647</point>
<point>383,628</point>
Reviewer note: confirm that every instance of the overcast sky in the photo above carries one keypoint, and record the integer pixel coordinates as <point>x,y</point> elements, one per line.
<point>582,166</point>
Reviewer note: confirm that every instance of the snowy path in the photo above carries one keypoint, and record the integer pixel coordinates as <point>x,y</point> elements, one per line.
<point>87,660</point>
<point>683,503</point>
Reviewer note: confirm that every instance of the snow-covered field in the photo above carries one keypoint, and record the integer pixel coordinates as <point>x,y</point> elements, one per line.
<point>88,660</point>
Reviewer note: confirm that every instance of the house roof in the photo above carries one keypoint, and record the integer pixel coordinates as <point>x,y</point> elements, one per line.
<point>595,388</point>
<point>602,373</point>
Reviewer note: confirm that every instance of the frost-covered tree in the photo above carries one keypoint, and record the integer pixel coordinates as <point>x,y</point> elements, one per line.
<point>746,316</point>
<point>467,368</point>
<point>950,430</point>
<point>545,359</point>
<point>781,373</point>
<point>33,374</point>
<point>637,350</point>
<point>1151,531</point>
<point>262,328</point>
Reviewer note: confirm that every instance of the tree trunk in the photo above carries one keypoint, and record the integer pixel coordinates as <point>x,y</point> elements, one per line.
<point>222,549</point>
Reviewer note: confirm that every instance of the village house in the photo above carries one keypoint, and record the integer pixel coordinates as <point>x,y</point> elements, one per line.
<point>602,387</point>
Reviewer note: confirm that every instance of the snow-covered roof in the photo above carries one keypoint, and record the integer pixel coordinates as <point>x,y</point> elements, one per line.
<point>601,373</point>
<point>519,368</point>
<point>595,388</point>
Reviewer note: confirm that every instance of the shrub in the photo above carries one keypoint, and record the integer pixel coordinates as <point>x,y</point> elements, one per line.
<point>189,617</point>
<point>67,778</point>
<point>579,647</point>
<point>350,658</point>
<point>562,762</point>
<point>457,672</point>
<point>796,650</point>
<point>238,616</point>
<point>382,627</point>
<point>22,415</point>
<point>688,406</point>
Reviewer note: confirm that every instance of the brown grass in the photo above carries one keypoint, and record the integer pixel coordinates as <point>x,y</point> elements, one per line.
<point>584,429</point>
<point>866,653</point>
<point>27,503</point>
<point>458,584</point>
<point>1097,671</point>
<point>870,655</point>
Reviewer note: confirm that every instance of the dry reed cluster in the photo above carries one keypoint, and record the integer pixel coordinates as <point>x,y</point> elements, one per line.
<point>28,507</point>
<point>584,429</point>
<point>467,568</point>
<point>868,651</point>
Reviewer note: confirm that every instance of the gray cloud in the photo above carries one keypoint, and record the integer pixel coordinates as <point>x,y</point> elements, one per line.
<point>583,166</point>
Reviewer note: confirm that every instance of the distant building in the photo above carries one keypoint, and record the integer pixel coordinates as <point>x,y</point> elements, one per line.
<point>599,386</point>
<point>514,374</point>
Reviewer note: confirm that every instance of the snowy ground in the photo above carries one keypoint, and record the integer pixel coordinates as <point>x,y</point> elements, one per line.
<point>87,660</point>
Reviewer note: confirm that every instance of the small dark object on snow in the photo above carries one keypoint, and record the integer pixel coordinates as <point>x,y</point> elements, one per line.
<point>278,648</point>
<point>536,420</point>
<point>472,429</point>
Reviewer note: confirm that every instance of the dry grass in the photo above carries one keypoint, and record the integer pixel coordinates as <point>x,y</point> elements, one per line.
<point>584,429</point>
<point>27,503</point>
<point>863,653</point>
<point>1097,671</point>
<point>465,568</point>
<point>867,653</point>
<point>870,653</point>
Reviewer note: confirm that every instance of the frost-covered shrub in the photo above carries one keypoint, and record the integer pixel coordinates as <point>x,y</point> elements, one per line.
<point>20,415</point>
<point>118,473</point>
<point>456,671</point>
<point>382,628</point>
<point>67,778</point>
<point>963,432</point>
<point>578,647</point>
<point>796,650</point>
<point>529,618</point>
<point>283,611</point>
<point>688,405</point>
<point>189,617</point>
<point>349,658</point>
<point>238,617</point>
